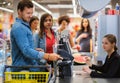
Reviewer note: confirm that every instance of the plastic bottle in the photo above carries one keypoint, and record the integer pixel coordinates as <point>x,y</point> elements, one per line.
<point>117,9</point>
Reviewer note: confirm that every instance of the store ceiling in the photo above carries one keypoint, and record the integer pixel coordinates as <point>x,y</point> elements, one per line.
<point>46,3</point>
<point>50,5</point>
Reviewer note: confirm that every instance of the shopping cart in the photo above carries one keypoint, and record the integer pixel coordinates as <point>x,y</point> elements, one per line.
<point>26,76</point>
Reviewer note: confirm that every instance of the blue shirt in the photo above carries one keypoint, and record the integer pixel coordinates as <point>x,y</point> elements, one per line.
<point>22,44</point>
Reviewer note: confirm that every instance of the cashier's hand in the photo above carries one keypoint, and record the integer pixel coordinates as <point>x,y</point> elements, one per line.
<point>88,61</point>
<point>86,69</point>
<point>52,57</point>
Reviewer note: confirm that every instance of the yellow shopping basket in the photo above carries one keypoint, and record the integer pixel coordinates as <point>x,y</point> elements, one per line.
<point>26,77</point>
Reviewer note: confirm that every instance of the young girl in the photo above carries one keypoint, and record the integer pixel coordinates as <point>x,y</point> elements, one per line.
<point>111,67</point>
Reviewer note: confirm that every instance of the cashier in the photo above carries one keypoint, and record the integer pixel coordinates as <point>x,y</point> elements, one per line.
<point>111,67</point>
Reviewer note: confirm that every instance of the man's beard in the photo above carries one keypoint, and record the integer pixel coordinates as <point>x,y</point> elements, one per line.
<point>25,20</point>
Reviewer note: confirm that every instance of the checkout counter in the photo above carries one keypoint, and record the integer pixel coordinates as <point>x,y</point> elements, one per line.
<point>80,76</point>
<point>84,78</point>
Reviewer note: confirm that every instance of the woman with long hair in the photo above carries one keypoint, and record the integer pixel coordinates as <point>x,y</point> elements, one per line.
<point>84,36</point>
<point>45,39</point>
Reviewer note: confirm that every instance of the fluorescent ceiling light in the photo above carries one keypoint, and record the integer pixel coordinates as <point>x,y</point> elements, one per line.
<point>74,7</point>
<point>43,8</point>
<point>72,15</point>
<point>5,9</point>
<point>60,6</point>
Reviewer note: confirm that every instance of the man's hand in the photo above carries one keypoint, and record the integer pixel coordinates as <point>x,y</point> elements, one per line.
<point>52,57</point>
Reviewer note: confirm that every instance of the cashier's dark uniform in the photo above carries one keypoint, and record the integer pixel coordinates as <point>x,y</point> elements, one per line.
<point>110,69</point>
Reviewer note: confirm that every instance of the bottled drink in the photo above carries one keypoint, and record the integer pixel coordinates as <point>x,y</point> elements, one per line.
<point>117,9</point>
